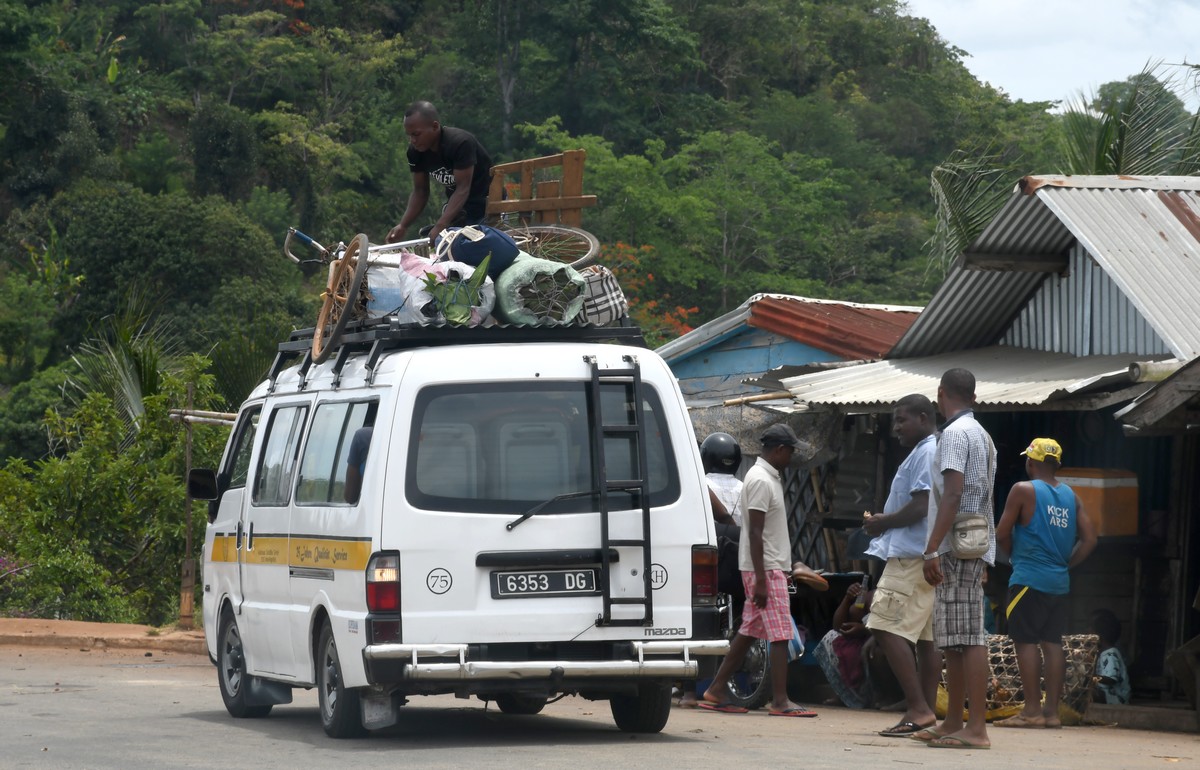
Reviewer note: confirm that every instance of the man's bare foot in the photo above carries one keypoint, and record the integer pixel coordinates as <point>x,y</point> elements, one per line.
<point>715,694</point>
<point>924,720</point>
<point>789,709</point>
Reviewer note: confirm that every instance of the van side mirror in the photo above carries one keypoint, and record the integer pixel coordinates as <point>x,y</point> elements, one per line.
<point>202,484</point>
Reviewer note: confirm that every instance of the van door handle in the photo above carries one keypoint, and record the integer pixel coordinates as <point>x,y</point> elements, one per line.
<point>237,540</point>
<point>250,538</point>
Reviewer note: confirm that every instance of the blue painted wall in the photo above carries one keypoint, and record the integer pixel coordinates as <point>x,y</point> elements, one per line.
<point>745,352</point>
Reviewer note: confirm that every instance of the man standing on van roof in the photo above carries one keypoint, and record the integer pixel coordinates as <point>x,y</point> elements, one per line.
<point>455,159</point>
<point>1046,531</point>
<point>764,556</point>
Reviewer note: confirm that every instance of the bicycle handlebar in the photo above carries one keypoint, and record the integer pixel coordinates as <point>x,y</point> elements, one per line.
<point>306,240</point>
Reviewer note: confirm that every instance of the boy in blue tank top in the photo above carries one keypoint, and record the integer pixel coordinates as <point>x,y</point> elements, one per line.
<point>1046,532</point>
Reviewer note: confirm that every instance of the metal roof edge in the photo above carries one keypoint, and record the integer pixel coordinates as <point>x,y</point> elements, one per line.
<point>711,333</point>
<point>1033,183</point>
<point>706,335</point>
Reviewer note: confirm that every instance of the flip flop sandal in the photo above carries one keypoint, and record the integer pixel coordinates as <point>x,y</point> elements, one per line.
<point>926,734</point>
<point>953,742</point>
<point>1021,721</point>
<point>795,711</point>
<point>724,708</point>
<point>903,730</point>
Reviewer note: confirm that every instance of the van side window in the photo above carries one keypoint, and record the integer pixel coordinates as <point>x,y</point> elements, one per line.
<point>239,469</point>
<point>505,447</point>
<point>273,481</point>
<point>326,462</point>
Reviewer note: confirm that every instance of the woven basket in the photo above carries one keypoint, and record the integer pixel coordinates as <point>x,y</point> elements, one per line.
<point>1005,696</point>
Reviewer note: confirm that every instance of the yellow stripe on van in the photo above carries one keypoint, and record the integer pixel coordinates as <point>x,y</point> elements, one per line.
<point>331,554</point>
<point>266,550</point>
<point>327,553</point>
<point>224,548</point>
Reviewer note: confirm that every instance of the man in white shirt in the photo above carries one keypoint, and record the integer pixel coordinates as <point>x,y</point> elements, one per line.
<point>722,457</point>
<point>764,556</point>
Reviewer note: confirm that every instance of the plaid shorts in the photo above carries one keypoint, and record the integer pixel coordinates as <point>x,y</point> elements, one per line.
<point>958,606</point>
<point>773,622</point>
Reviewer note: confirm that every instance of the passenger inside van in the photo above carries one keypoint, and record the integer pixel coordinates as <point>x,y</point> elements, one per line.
<point>356,461</point>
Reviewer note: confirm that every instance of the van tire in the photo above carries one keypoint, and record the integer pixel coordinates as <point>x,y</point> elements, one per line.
<point>646,712</point>
<point>231,670</point>
<point>341,707</point>
<point>520,703</point>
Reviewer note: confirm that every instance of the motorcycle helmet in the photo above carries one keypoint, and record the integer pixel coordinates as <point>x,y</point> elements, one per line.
<point>720,453</point>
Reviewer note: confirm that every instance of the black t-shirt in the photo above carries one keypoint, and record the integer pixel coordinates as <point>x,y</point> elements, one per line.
<point>457,149</point>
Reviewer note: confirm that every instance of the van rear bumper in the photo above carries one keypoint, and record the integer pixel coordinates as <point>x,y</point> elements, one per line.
<point>652,660</point>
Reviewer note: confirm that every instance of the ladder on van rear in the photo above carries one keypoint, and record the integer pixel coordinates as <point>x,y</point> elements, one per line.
<point>630,427</point>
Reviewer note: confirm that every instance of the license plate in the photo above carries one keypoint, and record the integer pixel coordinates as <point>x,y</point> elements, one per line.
<point>555,582</point>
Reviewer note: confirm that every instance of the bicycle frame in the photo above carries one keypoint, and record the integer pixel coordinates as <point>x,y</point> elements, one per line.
<point>326,255</point>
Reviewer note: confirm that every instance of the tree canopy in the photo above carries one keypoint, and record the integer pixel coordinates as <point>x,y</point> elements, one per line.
<point>152,155</point>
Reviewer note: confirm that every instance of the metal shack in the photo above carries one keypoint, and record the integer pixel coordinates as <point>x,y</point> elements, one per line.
<point>1079,293</point>
<point>717,362</point>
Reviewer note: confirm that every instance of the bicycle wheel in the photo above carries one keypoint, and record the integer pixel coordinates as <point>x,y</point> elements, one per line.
<point>558,243</point>
<point>340,298</point>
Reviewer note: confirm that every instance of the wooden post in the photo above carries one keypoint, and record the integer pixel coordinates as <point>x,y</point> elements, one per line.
<point>547,190</point>
<point>187,586</point>
<point>572,185</point>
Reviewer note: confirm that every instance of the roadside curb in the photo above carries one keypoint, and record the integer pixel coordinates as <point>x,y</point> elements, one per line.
<point>188,646</point>
<point>98,636</point>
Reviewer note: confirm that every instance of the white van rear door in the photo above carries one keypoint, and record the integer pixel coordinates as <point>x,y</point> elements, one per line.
<point>481,455</point>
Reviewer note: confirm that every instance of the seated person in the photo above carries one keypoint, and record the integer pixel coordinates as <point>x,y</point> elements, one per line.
<point>842,652</point>
<point>356,461</point>
<point>1112,684</point>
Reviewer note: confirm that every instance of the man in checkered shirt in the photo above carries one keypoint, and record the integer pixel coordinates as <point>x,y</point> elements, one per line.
<point>963,478</point>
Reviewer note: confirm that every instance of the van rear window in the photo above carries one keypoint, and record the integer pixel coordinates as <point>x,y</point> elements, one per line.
<point>506,447</point>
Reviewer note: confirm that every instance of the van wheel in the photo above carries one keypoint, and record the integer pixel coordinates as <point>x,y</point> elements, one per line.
<point>519,703</point>
<point>646,712</point>
<point>231,670</point>
<point>341,708</point>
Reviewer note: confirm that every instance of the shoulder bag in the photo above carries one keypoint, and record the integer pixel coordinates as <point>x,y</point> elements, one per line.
<point>970,537</point>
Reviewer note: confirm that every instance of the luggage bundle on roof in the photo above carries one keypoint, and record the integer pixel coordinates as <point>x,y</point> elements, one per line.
<point>476,276</point>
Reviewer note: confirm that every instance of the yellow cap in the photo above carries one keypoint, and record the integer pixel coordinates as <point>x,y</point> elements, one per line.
<point>1041,448</point>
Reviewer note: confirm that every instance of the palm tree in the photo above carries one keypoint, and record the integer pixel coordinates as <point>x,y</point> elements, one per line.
<point>1139,126</point>
<point>127,360</point>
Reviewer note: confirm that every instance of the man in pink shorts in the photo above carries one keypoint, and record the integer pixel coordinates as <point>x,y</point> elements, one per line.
<point>764,557</point>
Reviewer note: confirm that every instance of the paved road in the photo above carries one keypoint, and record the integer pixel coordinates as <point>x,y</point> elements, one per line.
<point>124,709</point>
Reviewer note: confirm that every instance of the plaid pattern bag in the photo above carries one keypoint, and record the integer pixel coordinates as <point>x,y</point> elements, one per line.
<point>604,303</point>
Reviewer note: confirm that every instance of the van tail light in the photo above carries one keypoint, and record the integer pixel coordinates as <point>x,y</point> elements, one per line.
<point>704,574</point>
<point>383,583</point>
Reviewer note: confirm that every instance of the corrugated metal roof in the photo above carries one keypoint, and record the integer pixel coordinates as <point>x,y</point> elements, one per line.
<point>1144,232</point>
<point>1005,377</point>
<point>847,329</point>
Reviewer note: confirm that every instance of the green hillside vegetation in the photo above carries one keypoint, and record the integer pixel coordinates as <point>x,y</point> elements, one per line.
<point>152,155</point>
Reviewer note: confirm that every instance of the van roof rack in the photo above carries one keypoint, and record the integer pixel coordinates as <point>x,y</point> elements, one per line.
<point>376,339</point>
